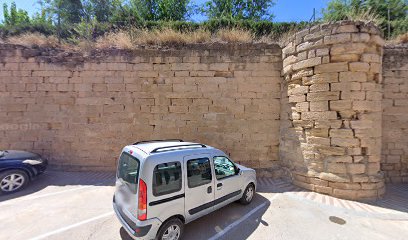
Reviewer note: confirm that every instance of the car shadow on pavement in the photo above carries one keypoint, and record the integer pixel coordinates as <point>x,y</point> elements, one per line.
<point>234,221</point>
<point>63,178</point>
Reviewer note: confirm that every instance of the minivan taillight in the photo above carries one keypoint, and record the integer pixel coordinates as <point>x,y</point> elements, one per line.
<point>142,208</point>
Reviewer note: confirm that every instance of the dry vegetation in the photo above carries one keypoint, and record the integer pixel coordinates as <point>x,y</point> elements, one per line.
<point>34,39</point>
<point>367,16</point>
<point>130,39</point>
<point>169,37</point>
<point>400,39</point>
<point>403,38</point>
<point>234,35</point>
<point>120,40</point>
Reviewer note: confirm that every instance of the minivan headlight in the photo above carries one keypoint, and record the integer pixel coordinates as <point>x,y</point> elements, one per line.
<point>33,162</point>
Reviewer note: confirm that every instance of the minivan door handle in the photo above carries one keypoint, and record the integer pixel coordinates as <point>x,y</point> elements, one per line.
<point>219,186</point>
<point>209,189</point>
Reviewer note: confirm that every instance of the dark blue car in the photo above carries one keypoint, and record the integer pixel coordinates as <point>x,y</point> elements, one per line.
<point>18,168</point>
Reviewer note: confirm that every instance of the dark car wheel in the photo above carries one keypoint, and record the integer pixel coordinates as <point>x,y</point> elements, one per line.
<point>13,181</point>
<point>171,230</point>
<point>248,194</point>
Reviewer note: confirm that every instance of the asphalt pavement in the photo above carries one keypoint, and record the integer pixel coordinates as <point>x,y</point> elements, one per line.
<point>78,205</point>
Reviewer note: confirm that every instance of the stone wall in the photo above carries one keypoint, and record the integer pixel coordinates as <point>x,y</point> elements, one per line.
<point>334,123</point>
<point>332,88</point>
<point>79,111</point>
<point>395,114</point>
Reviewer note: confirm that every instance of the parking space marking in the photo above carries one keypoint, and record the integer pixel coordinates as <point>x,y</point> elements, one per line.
<point>42,195</point>
<point>43,236</point>
<point>236,223</point>
<point>47,195</point>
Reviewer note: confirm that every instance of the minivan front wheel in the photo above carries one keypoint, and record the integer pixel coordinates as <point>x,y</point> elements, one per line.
<point>171,230</point>
<point>248,194</point>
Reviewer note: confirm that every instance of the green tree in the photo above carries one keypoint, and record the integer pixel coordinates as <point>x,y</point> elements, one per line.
<point>239,9</point>
<point>390,13</point>
<point>172,10</point>
<point>64,11</point>
<point>102,10</point>
<point>161,10</point>
<point>15,16</point>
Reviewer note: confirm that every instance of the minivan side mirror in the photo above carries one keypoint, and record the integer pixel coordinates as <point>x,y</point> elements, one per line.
<point>237,171</point>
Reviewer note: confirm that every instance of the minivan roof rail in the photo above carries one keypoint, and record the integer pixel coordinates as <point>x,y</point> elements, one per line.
<point>162,140</point>
<point>177,147</point>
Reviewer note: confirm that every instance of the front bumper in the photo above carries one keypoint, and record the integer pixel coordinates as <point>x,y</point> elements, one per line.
<point>136,229</point>
<point>41,167</point>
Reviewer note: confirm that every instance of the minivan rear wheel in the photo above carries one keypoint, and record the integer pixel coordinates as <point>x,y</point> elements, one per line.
<point>171,230</point>
<point>248,194</point>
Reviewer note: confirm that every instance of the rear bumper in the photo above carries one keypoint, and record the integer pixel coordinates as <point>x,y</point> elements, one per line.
<point>135,228</point>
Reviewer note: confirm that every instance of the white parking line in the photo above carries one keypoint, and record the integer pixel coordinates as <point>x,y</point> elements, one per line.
<point>234,224</point>
<point>43,236</point>
<point>43,195</point>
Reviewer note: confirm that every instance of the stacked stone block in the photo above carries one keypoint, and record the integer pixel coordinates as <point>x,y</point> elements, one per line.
<point>395,114</point>
<point>80,111</point>
<point>332,79</point>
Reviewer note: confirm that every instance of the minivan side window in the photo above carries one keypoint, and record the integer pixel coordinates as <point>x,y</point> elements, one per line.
<point>223,167</point>
<point>198,172</point>
<point>167,178</point>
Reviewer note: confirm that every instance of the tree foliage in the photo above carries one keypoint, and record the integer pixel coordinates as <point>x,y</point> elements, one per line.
<point>239,9</point>
<point>161,10</point>
<point>14,16</point>
<point>102,10</point>
<point>392,12</point>
<point>63,11</point>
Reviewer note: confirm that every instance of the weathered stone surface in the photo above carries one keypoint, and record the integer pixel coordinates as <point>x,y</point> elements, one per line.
<point>332,67</point>
<point>85,112</point>
<point>337,38</point>
<point>359,66</point>
<point>334,124</point>
<point>322,96</point>
<point>319,115</point>
<point>319,106</point>
<point>307,63</point>
<point>325,120</point>
<point>321,78</point>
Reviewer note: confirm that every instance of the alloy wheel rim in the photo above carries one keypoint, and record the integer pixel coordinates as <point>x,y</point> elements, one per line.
<point>249,194</point>
<point>12,182</point>
<point>172,233</point>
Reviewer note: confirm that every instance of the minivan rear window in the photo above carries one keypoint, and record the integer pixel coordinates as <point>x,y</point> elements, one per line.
<point>128,168</point>
<point>167,178</point>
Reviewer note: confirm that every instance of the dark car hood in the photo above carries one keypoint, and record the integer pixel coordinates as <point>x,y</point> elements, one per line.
<point>18,155</point>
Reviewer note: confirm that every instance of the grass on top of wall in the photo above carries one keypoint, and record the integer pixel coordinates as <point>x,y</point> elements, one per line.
<point>131,39</point>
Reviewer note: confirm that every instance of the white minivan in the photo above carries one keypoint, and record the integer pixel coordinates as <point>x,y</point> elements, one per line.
<point>163,184</point>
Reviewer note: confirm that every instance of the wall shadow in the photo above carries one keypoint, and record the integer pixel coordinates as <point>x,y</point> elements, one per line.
<point>395,197</point>
<point>63,178</point>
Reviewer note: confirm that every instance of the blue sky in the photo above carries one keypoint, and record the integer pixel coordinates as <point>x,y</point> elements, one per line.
<point>284,10</point>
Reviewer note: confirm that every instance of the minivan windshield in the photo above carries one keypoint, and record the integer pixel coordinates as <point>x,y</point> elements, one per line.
<point>128,169</point>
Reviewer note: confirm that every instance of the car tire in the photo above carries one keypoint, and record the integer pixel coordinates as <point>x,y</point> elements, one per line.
<point>12,181</point>
<point>171,228</point>
<point>248,194</point>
